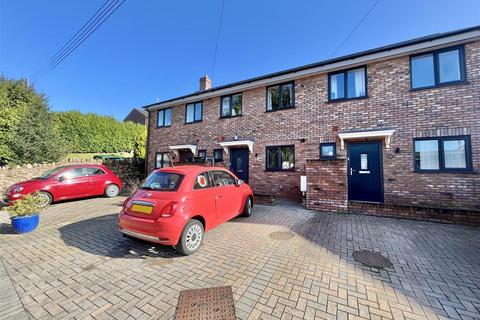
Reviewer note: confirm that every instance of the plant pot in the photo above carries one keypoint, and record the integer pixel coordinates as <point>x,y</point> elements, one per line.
<point>24,224</point>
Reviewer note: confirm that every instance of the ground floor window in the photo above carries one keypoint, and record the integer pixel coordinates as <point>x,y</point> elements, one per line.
<point>280,158</point>
<point>328,150</point>
<point>218,155</point>
<point>162,160</point>
<point>443,154</point>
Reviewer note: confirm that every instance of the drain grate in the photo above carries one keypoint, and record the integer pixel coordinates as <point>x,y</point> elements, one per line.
<point>205,304</point>
<point>372,259</point>
<point>281,235</point>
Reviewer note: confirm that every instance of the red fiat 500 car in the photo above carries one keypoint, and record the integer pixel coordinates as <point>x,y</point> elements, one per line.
<point>175,206</point>
<point>68,182</point>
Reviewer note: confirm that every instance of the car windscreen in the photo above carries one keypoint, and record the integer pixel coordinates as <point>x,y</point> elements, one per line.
<point>163,181</point>
<point>51,172</point>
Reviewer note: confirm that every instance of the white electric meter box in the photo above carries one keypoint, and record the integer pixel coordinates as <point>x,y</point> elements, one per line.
<point>303,183</point>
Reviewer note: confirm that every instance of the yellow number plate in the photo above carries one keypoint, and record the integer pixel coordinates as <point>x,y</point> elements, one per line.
<point>142,209</point>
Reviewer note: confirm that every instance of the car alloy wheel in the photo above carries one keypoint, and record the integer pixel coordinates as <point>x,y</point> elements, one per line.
<point>43,199</point>
<point>112,191</point>
<point>193,237</point>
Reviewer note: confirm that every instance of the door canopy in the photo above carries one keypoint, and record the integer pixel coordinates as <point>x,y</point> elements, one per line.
<point>366,134</point>
<point>237,143</point>
<point>192,147</point>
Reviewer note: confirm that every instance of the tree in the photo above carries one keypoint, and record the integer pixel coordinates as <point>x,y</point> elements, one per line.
<point>27,130</point>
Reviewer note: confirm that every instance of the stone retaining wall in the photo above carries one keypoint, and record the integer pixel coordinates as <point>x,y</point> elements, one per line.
<point>124,169</point>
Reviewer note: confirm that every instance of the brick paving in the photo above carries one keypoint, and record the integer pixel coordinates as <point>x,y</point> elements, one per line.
<point>77,266</point>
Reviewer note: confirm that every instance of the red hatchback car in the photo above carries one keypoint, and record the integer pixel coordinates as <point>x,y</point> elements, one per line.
<point>175,206</point>
<point>68,182</point>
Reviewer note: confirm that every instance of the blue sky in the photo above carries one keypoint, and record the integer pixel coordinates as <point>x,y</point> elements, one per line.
<point>153,49</point>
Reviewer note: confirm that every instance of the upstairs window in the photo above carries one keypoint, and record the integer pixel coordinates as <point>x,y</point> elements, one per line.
<point>164,118</point>
<point>193,112</point>
<point>349,84</point>
<point>231,106</point>
<point>437,68</point>
<point>281,96</point>
<point>443,154</point>
<point>280,158</point>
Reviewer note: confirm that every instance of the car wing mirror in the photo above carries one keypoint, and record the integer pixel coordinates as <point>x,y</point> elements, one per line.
<point>240,182</point>
<point>61,178</point>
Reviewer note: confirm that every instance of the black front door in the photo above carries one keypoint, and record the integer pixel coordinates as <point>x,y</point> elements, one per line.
<point>365,171</point>
<point>239,162</point>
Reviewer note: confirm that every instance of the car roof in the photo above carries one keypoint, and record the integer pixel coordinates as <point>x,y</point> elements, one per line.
<point>81,165</point>
<point>190,169</point>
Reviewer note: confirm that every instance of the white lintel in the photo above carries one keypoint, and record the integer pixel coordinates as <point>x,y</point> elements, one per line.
<point>237,143</point>
<point>386,134</point>
<point>192,147</point>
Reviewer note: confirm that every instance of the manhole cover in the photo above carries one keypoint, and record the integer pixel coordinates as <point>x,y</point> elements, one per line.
<point>281,235</point>
<point>372,259</point>
<point>203,304</point>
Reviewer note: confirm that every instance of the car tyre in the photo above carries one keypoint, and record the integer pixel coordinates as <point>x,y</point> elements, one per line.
<point>191,238</point>
<point>247,209</point>
<point>44,199</point>
<point>112,190</point>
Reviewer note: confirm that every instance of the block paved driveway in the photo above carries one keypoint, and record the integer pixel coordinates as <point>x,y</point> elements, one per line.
<point>282,263</point>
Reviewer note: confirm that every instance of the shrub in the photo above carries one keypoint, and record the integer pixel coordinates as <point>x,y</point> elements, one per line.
<point>26,206</point>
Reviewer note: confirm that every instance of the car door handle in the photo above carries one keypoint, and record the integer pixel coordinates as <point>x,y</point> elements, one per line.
<point>219,197</point>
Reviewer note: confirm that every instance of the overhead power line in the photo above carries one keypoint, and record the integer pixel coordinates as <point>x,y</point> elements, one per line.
<point>355,28</point>
<point>218,39</point>
<point>95,21</point>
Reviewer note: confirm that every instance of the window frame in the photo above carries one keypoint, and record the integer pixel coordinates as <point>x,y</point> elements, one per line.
<point>230,96</point>
<point>279,150</point>
<point>202,150</point>
<point>235,180</point>
<point>327,144</point>
<point>441,155</point>
<point>279,85</point>
<point>164,115</point>
<point>436,67</point>
<point>186,110</point>
<point>155,159</point>
<point>345,84</point>
<point>221,152</point>
<point>209,177</point>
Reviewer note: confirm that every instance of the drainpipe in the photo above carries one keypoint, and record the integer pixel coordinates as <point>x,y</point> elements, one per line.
<point>147,143</point>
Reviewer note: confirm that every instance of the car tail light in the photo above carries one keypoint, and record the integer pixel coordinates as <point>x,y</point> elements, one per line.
<point>126,202</point>
<point>168,210</point>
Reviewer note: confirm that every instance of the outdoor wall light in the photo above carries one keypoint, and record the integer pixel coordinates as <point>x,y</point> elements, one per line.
<point>397,150</point>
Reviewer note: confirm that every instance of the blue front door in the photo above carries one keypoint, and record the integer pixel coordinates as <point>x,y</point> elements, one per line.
<point>239,162</point>
<point>365,171</point>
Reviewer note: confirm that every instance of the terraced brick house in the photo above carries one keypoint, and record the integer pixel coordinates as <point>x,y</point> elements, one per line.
<point>392,131</point>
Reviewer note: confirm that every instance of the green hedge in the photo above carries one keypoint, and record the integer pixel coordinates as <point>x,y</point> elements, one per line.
<point>31,133</point>
<point>27,130</point>
<point>94,133</point>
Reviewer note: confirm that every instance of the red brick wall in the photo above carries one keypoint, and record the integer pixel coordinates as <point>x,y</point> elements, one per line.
<point>390,104</point>
<point>327,184</point>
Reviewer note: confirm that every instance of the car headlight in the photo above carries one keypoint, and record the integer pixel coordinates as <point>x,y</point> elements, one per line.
<point>17,189</point>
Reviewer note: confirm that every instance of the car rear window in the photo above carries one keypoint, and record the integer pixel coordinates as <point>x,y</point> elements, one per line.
<point>163,181</point>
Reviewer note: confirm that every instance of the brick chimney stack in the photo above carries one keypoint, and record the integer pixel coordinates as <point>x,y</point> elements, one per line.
<point>205,83</point>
